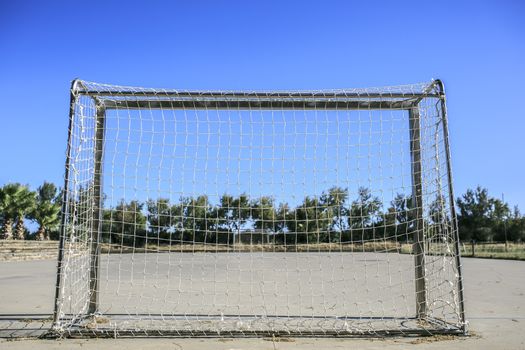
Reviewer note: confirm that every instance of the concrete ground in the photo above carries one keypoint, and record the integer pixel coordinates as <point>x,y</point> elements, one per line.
<point>495,305</point>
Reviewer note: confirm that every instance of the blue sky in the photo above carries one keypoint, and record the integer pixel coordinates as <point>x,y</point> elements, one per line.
<point>476,47</point>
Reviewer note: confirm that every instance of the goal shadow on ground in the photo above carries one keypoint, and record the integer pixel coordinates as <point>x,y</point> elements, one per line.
<point>24,325</point>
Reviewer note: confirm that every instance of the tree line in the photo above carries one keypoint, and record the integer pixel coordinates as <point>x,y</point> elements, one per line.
<point>329,217</point>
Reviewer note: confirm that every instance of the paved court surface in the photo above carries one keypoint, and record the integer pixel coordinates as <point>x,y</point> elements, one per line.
<point>495,302</point>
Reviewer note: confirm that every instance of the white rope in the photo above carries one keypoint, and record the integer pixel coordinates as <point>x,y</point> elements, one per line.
<point>221,216</point>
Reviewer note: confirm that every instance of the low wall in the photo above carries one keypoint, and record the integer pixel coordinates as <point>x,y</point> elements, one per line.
<point>14,250</point>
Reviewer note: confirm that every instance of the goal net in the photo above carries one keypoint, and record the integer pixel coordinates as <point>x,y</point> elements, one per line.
<point>226,213</point>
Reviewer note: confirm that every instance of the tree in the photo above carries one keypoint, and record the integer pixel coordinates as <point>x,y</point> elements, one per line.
<point>390,225</point>
<point>282,213</point>
<point>485,218</point>
<point>477,214</point>
<point>499,220</point>
<point>46,210</point>
<point>8,195</point>
<point>281,234</point>
<point>48,192</point>
<point>264,214</point>
<point>46,214</point>
<point>437,210</point>
<point>16,201</point>
<point>364,212</point>
<point>401,217</point>
<point>25,202</point>
<point>197,219</point>
<point>439,225</point>
<point>334,202</point>
<point>125,224</point>
<point>160,218</point>
<point>232,213</point>
<point>516,226</point>
<point>309,221</point>
<point>5,226</point>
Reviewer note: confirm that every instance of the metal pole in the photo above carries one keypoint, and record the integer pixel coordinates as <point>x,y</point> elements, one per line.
<point>301,96</point>
<point>97,209</point>
<point>418,248</point>
<point>63,219</point>
<point>505,224</point>
<point>461,299</point>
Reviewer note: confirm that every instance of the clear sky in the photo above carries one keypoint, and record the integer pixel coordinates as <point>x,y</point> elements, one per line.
<point>476,47</point>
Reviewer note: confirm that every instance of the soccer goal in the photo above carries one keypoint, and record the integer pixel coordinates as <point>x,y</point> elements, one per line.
<point>249,213</point>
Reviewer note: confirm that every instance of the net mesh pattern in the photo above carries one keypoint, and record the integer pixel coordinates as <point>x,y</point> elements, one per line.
<point>228,213</point>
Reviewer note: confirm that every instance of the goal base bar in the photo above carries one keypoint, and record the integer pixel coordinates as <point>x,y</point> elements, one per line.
<point>117,326</point>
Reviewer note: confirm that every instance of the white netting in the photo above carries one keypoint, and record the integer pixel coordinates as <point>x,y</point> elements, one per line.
<point>244,213</point>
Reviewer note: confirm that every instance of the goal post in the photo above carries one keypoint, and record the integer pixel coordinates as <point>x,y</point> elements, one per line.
<point>248,213</point>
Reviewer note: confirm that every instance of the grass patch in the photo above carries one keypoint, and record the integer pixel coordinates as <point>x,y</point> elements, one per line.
<point>511,251</point>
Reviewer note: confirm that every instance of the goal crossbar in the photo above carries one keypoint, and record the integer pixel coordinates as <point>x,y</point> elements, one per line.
<point>265,100</point>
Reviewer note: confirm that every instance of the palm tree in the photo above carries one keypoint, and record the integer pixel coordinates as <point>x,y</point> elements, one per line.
<point>9,204</point>
<point>46,210</point>
<point>6,222</point>
<point>24,203</point>
<point>46,215</point>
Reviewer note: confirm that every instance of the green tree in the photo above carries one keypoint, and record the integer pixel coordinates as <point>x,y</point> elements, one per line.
<point>48,192</point>
<point>46,210</point>
<point>364,213</point>
<point>16,202</point>
<point>401,216</point>
<point>478,215</point>
<point>437,210</point>
<point>282,232</point>
<point>197,219</point>
<point>282,213</point>
<point>438,226</point>
<point>125,224</point>
<point>334,202</point>
<point>264,214</point>
<point>232,214</point>
<point>390,225</point>
<point>309,221</point>
<point>516,226</point>
<point>501,219</point>
<point>25,202</point>
<point>5,224</point>
<point>160,219</point>
<point>509,224</point>
<point>8,195</point>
